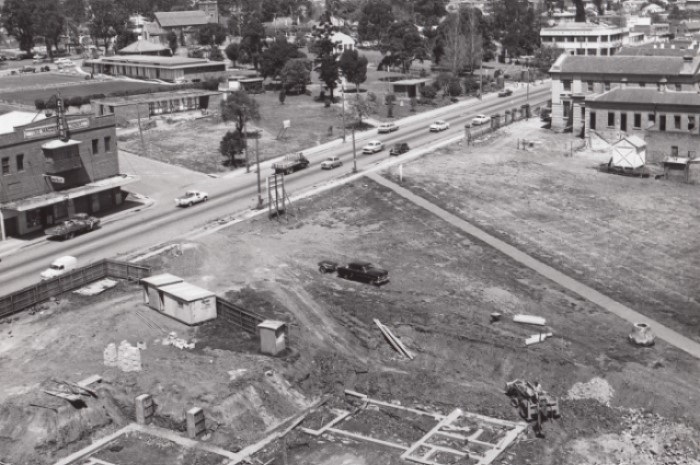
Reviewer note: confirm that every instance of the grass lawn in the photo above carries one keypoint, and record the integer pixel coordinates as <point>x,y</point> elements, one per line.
<point>37,81</point>
<point>80,88</point>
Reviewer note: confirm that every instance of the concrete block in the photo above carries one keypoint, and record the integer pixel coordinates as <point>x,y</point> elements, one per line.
<point>273,336</point>
<point>145,408</point>
<point>196,424</point>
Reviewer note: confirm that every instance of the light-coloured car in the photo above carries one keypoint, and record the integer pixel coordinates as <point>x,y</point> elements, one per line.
<point>59,266</point>
<point>439,125</point>
<point>190,198</point>
<point>373,146</point>
<point>478,120</point>
<point>387,127</point>
<point>330,163</point>
<point>63,61</point>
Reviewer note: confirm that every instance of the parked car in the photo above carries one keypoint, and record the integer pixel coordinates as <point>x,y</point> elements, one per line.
<point>364,272</point>
<point>59,266</point>
<point>505,93</point>
<point>387,127</point>
<point>27,69</point>
<point>478,120</point>
<point>330,163</point>
<point>80,223</point>
<point>399,148</point>
<point>439,125</point>
<point>63,61</point>
<point>373,146</point>
<point>190,198</point>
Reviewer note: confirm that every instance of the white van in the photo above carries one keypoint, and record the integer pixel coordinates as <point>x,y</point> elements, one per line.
<point>60,266</point>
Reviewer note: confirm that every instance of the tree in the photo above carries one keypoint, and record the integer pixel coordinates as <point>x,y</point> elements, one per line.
<point>282,96</point>
<point>124,38</point>
<point>108,19</point>
<point>600,8</point>
<point>354,68</point>
<point>401,46</point>
<point>252,35</point>
<point>328,73</point>
<point>233,52</point>
<point>18,19</point>
<point>50,22</point>
<point>461,37</point>
<point>231,145</point>
<point>211,34</point>
<point>296,74</point>
<point>171,37</point>
<point>75,9</point>
<point>580,11</point>
<point>517,26</point>
<point>375,18</point>
<point>545,57</point>
<point>429,12</point>
<point>240,108</point>
<point>276,56</point>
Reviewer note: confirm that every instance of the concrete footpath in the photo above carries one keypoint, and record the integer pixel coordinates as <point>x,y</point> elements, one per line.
<point>663,332</point>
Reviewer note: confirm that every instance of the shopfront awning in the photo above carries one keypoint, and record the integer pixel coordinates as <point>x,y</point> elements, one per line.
<point>59,144</point>
<point>73,193</point>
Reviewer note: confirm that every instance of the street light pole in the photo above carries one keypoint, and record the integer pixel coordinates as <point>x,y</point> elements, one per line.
<point>354,153</point>
<point>257,162</point>
<point>343,88</point>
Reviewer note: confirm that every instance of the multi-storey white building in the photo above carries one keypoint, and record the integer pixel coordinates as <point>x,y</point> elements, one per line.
<point>586,38</point>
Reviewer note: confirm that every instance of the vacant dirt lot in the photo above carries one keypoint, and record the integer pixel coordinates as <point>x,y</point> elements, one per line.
<point>620,403</point>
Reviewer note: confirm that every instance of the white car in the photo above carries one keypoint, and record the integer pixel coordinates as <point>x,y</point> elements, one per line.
<point>330,163</point>
<point>63,61</point>
<point>439,125</point>
<point>387,127</point>
<point>480,119</point>
<point>59,267</point>
<point>373,146</point>
<point>190,198</point>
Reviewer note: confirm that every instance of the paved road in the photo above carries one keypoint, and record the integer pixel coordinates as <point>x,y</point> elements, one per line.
<point>232,195</point>
<point>663,332</point>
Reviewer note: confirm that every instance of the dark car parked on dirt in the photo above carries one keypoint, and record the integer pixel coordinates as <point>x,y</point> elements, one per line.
<point>364,272</point>
<point>399,148</point>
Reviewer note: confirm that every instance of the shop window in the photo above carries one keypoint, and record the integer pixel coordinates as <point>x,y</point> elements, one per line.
<point>637,120</point>
<point>676,121</point>
<point>95,146</point>
<point>33,218</point>
<point>5,165</point>
<point>691,123</point>
<point>108,144</point>
<point>20,162</point>
<point>611,119</point>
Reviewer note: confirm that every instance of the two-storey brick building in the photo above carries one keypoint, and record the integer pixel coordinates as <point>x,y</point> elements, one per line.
<point>574,78</point>
<point>44,178</point>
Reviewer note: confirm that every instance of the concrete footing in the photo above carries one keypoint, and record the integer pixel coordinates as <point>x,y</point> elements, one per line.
<point>196,425</point>
<point>145,408</point>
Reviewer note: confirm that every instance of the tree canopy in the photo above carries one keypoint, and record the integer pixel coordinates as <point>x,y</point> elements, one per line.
<point>295,74</point>
<point>108,19</point>
<point>18,19</point>
<point>375,18</point>
<point>354,67</point>
<point>517,26</point>
<point>401,46</point>
<point>275,56</point>
<point>211,34</point>
<point>240,108</point>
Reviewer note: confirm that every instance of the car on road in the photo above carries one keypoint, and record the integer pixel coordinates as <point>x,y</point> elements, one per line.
<point>78,224</point>
<point>505,93</point>
<point>190,198</point>
<point>398,149</point>
<point>330,163</point>
<point>439,125</point>
<point>478,120</point>
<point>27,69</point>
<point>373,146</point>
<point>387,127</point>
<point>59,267</point>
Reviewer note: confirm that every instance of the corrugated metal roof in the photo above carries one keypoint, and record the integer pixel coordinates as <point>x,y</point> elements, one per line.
<point>9,121</point>
<point>625,65</point>
<point>186,291</point>
<point>649,97</point>
<point>181,18</point>
<point>143,46</point>
<point>162,279</point>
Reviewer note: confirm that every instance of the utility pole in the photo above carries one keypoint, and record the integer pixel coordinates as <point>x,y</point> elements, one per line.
<point>343,89</point>
<point>257,162</point>
<point>354,153</point>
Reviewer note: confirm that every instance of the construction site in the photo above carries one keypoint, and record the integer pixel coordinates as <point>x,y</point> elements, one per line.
<point>465,356</point>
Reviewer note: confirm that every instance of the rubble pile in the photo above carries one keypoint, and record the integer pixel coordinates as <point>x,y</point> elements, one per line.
<point>664,442</point>
<point>596,389</point>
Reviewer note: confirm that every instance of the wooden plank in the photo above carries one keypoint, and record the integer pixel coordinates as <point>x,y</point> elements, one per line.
<point>366,438</point>
<point>63,395</point>
<point>399,343</point>
<point>393,340</point>
<point>447,420</point>
<point>340,416</point>
<point>380,403</point>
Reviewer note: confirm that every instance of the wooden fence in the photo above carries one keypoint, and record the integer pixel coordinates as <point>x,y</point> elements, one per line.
<point>44,290</point>
<point>238,316</point>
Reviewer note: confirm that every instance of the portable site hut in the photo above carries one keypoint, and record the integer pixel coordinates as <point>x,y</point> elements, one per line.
<point>188,303</point>
<point>273,336</point>
<point>152,295</point>
<point>629,152</point>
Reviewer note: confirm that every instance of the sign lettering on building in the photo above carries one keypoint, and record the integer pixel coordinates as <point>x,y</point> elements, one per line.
<point>57,179</point>
<point>51,130</point>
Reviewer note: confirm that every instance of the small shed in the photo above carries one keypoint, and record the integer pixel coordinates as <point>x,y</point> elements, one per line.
<point>409,87</point>
<point>273,336</point>
<point>629,152</point>
<point>188,303</point>
<point>152,296</point>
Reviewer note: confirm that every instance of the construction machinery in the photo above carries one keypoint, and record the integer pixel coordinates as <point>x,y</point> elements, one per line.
<point>533,403</point>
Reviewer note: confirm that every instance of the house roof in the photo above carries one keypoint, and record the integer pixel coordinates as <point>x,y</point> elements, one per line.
<point>635,141</point>
<point>651,51</point>
<point>626,65</point>
<point>186,292</point>
<point>142,46</point>
<point>162,280</point>
<point>9,121</point>
<point>181,18</point>
<point>155,97</point>
<point>650,97</point>
<point>153,29</point>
